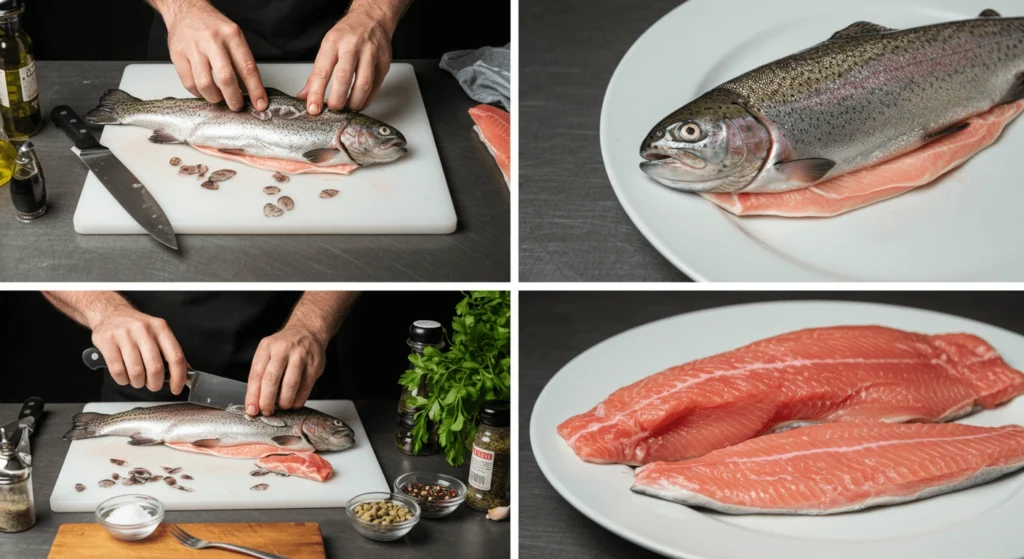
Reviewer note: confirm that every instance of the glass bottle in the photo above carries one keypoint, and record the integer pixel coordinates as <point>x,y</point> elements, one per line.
<point>28,187</point>
<point>490,466</point>
<point>17,507</point>
<point>422,334</point>
<point>19,99</point>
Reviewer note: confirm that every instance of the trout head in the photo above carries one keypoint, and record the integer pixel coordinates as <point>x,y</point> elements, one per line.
<point>711,145</point>
<point>326,433</point>
<point>368,140</point>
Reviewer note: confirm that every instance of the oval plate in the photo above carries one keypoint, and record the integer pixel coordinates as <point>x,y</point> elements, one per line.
<point>960,228</point>
<point>983,521</point>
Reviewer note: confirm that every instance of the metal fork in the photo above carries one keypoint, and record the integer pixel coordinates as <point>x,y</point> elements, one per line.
<point>188,540</point>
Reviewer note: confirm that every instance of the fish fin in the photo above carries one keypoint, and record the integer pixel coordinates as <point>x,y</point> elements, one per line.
<point>169,99</point>
<point>946,131</point>
<point>1016,92</point>
<point>859,29</point>
<point>260,115</point>
<point>990,13</point>
<point>287,440</point>
<point>80,426</point>
<point>273,421</point>
<point>320,155</point>
<point>275,92</point>
<point>113,108</point>
<point>206,443</point>
<point>235,408</point>
<point>286,113</point>
<point>139,440</point>
<point>232,151</point>
<point>807,171</point>
<point>161,137</point>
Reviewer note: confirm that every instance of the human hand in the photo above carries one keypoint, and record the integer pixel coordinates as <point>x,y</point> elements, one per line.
<point>210,54</point>
<point>284,369</point>
<point>135,346</point>
<point>358,46</point>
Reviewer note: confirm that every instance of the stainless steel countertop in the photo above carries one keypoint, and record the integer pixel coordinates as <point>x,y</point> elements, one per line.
<point>50,250</point>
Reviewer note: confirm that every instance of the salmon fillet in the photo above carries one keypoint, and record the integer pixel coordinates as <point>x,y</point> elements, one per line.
<point>280,165</point>
<point>834,468</point>
<point>306,465</point>
<point>493,127</point>
<point>881,182</point>
<point>836,374</point>
<point>242,451</point>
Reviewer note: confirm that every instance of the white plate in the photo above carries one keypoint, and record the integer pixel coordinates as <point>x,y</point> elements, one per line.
<point>984,521</point>
<point>958,229</point>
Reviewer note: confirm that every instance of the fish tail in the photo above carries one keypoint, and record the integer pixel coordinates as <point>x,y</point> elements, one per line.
<point>114,107</point>
<point>82,426</point>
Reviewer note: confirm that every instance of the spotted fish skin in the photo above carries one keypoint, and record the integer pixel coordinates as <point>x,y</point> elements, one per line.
<point>299,430</point>
<point>865,96</point>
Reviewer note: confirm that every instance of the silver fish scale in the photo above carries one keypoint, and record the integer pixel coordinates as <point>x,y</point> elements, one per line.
<point>865,99</point>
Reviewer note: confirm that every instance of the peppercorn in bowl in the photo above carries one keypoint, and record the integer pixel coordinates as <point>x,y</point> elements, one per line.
<point>437,494</point>
<point>383,516</point>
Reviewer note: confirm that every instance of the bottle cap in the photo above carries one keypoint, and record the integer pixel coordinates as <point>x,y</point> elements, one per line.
<point>496,413</point>
<point>426,332</point>
<point>8,6</point>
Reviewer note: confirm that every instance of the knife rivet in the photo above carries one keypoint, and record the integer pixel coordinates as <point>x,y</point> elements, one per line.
<point>74,120</point>
<point>94,356</point>
<point>82,131</point>
<point>63,112</point>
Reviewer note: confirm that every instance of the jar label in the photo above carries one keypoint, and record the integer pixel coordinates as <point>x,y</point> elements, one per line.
<point>29,87</point>
<point>480,468</point>
<point>5,96</point>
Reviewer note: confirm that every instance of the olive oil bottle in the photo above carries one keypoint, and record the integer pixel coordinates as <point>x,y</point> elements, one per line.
<point>19,99</point>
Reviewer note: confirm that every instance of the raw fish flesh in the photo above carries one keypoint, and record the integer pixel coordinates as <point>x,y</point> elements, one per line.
<point>492,125</point>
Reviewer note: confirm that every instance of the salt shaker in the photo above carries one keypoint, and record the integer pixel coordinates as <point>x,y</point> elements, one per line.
<point>17,507</point>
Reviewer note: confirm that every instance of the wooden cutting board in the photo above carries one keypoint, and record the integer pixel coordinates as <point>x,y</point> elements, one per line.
<point>409,195</point>
<point>295,540</point>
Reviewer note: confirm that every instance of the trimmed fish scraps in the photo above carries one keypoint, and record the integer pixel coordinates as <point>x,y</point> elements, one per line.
<point>222,175</point>
<point>210,185</point>
<point>175,161</point>
<point>328,193</point>
<point>187,170</point>
<point>188,477</point>
<point>118,461</point>
<point>271,190</point>
<point>286,203</point>
<point>184,488</point>
<point>281,177</point>
<point>106,483</point>
<point>270,210</point>
<point>259,487</point>
<point>79,487</point>
<point>171,471</point>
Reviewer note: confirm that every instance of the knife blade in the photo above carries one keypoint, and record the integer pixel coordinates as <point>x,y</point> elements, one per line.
<point>203,388</point>
<point>128,190</point>
<point>31,415</point>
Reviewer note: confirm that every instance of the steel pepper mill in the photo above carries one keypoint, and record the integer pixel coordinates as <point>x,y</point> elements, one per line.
<point>17,506</point>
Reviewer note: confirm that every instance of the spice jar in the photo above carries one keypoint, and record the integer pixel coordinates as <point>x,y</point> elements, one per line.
<point>17,508</point>
<point>489,468</point>
<point>422,334</point>
<point>28,187</point>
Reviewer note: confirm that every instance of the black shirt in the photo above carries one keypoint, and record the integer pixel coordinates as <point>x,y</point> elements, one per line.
<point>218,331</point>
<point>276,30</point>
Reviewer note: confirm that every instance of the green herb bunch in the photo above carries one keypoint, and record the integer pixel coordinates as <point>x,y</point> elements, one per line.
<point>476,367</point>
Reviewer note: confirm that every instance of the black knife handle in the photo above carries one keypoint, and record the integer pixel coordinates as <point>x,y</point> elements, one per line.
<point>32,407</point>
<point>68,120</point>
<point>94,360</point>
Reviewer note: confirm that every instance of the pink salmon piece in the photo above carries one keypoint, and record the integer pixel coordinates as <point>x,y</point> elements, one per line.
<point>306,465</point>
<point>281,165</point>
<point>240,451</point>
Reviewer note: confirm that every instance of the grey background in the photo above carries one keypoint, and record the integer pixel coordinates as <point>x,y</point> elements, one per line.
<point>571,226</point>
<point>556,327</point>
<point>50,250</point>
<point>464,533</point>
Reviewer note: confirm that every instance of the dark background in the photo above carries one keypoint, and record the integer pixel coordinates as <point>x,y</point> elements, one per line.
<point>556,327</point>
<point>42,348</point>
<point>119,29</point>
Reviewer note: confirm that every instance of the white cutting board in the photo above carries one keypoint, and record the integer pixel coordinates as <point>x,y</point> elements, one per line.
<point>409,195</point>
<point>220,483</point>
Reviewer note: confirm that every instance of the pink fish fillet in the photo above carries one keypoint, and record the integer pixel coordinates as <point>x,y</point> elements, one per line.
<point>307,465</point>
<point>881,182</point>
<point>243,450</point>
<point>834,468</point>
<point>492,125</point>
<point>281,165</point>
<point>837,374</point>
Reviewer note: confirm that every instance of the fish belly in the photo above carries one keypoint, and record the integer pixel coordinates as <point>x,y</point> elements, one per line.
<point>280,165</point>
<point>837,374</point>
<point>835,468</point>
<point>875,184</point>
<point>241,450</point>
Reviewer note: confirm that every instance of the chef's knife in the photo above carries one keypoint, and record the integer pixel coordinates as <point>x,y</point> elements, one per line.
<point>203,388</point>
<point>31,416</point>
<point>122,184</point>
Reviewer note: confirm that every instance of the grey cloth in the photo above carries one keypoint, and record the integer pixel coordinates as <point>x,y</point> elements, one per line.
<point>483,73</point>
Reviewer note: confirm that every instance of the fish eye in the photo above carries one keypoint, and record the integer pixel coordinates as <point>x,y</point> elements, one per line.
<point>338,423</point>
<point>689,132</point>
<point>384,131</point>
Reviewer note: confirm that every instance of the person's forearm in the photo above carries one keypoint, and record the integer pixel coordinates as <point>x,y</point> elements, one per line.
<point>388,12</point>
<point>171,9</point>
<point>86,307</point>
<point>321,312</point>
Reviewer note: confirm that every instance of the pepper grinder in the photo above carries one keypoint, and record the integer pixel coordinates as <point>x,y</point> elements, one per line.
<point>28,186</point>
<point>17,507</point>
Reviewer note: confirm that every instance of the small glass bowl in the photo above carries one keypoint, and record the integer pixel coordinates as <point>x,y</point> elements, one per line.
<point>131,532</point>
<point>376,531</point>
<point>433,509</point>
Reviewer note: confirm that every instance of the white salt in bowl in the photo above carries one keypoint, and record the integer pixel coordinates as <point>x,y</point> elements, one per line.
<point>134,531</point>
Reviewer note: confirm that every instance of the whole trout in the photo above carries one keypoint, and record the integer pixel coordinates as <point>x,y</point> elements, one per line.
<point>867,95</point>
<point>200,428</point>
<point>283,131</point>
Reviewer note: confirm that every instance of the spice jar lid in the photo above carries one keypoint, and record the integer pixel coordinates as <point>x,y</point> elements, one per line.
<point>7,6</point>
<point>426,332</point>
<point>12,469</point>
<point>495,413</point>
